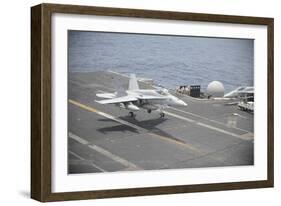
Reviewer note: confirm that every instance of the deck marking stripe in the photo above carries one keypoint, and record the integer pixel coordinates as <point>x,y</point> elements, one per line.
<point>114,157</point>
<point>180,117</point>
<point>91,163</point>
<point>76,155</point>
<point>184,144</point>
<point>205,118</point>
<point>207,126</point>
<point>222,131</point>
<point>104,152</point>
<point>239,115</point>
<point>78,139</point>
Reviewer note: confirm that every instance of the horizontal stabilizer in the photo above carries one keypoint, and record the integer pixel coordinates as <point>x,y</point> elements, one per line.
<point>107,95</point>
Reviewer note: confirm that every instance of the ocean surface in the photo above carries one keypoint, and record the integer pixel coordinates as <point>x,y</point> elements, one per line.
<point>169,60</point>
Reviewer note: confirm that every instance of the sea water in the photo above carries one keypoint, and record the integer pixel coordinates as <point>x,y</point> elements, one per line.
<point>169,60</point>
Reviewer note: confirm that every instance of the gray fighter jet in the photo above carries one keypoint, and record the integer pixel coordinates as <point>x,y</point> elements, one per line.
<point>135,99</point>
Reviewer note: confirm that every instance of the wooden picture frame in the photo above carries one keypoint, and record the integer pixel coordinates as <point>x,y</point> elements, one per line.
<point>41,96</point>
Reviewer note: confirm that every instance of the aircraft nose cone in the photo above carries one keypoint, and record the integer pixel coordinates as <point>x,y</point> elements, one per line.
<point>182,103</point>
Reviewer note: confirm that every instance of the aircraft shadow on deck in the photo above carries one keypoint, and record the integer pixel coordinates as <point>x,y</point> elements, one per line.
<point>150,125</point>
<point>117,128</point>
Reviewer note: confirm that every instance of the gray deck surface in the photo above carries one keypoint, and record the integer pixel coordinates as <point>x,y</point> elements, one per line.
<point>103,138</point>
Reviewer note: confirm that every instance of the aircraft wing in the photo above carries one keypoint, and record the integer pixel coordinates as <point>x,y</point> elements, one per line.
<point>246,92</point>
<point>118,100</point>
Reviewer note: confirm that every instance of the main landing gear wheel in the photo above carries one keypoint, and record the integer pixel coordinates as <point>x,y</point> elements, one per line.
<point>132,114</point>
<point>162,115</point>
<point>149,111</point>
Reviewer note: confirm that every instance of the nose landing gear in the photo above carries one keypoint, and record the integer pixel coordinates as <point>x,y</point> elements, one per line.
<point>132,114</point>
<point>162,115</point>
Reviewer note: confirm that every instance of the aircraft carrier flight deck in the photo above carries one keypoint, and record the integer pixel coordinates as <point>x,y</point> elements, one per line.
<point>104,138</point>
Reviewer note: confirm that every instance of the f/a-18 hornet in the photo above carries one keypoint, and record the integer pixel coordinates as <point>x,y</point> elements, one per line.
<point>135,98</point>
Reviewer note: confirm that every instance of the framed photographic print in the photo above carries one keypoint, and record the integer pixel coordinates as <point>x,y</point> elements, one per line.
<point>130,102</point>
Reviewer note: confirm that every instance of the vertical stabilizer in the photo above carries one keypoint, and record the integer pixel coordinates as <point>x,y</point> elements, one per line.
<point>133,83</point>
<point>119,88</point>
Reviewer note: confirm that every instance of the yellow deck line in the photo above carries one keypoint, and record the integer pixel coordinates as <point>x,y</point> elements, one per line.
<point>183,144</point>
<point>83,106</point>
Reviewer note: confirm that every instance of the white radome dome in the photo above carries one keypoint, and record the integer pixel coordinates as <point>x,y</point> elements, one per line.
<point>215,89</point>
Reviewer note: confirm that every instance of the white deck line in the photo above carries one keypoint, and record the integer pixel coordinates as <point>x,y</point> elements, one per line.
<point>180,117</point>
<point>211,120</point>
<point>208,126</point>
<point>91,163</point>
<point>219,130</point>
<point>104,152</point>
<point>76,155</point>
